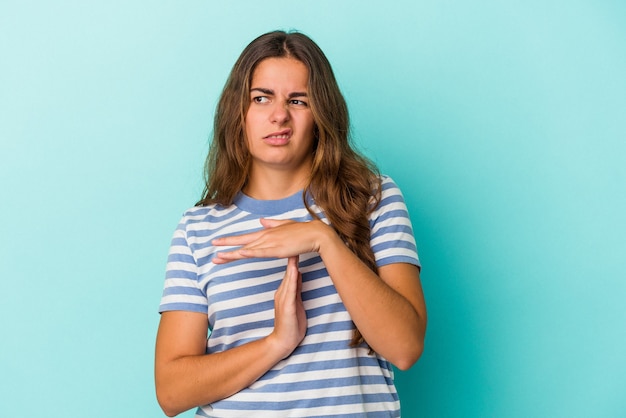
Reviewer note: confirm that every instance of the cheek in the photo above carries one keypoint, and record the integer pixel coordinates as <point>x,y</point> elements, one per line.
<point>249,130</point>
<point>312,129</point>
<point>307,123</point>
<point>251,124</point>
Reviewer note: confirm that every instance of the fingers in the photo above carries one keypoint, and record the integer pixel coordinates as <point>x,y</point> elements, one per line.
<point>223,257</point>
<point>292,263</point>
<point>290,281</point>
<point>227,256</point>
<point>278,239</point>
<point>295,276</point>
<point>243,239</point>
<point>272,223</point>
<point>289,315</point>
<point>250,240</point>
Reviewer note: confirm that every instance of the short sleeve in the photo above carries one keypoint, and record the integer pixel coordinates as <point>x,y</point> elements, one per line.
<point>392,237</point>
<point>181,291</point>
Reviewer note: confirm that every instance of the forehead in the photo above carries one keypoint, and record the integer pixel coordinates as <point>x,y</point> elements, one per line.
<point>283,72</point>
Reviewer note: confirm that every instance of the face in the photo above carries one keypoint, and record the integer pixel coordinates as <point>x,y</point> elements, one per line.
<point>279,123</point>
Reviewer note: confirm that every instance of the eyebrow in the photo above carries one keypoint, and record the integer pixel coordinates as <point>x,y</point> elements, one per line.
<point>271,92</point>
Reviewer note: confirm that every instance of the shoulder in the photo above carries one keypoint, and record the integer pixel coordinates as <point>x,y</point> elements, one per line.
<point>199,221</point>
<point>390,202</point>
<point>389,190</point>
<point>387,182</point>
<point>206,213</point>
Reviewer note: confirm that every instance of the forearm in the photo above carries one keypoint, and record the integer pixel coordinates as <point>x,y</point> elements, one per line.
<point>190,381</point>
<point>387,308</point>
<point>392,324</point>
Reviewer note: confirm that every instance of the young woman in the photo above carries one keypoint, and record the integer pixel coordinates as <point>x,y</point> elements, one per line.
<point>299,261</point>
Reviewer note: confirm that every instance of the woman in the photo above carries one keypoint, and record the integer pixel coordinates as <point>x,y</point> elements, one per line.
<point>299,258</point>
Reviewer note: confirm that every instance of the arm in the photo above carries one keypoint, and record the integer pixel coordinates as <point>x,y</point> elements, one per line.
<point>186,377</point>
<point>387,308</point>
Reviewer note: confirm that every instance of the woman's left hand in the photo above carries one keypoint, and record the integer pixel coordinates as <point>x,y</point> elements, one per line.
<point>278,239</point>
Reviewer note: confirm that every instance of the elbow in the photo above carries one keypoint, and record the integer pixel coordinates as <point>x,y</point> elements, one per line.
<point>413,348</point>
<point>406,363</point>
<point>409,357</point>
<point>169,413</point>
<point>168,409</point>
<point>167,402</point>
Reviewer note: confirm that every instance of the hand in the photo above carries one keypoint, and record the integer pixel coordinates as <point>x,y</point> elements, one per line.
<point>278,239</point>
<point>289,314</point>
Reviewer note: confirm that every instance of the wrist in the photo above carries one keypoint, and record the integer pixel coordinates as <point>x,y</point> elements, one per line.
<point>275,348</point>
<point>327,238</point>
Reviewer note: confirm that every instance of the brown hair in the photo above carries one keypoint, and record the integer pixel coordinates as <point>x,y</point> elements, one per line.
<point>343,183</point>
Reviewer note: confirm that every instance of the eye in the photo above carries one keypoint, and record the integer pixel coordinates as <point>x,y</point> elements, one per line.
<point>297,102</point>
<point>260,99</point>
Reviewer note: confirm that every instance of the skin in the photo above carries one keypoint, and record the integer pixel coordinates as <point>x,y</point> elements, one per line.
<point>279,105</point>
<point>388,308</point>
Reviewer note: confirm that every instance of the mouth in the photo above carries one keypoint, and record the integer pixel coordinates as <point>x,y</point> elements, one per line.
<point>284,134</point>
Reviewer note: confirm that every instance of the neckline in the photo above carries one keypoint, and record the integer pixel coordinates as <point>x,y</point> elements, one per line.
<point>270,207</point>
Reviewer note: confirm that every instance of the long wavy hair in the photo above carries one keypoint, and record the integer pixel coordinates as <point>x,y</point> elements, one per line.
<point>343,183</point>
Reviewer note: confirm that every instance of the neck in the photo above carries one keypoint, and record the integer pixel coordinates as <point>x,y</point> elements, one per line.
<point>268,184</point>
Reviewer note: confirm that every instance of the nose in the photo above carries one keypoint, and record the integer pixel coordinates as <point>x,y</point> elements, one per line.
<point>280,114</point>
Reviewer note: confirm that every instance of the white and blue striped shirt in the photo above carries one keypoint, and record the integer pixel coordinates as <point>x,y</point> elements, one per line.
<point>324,376</point>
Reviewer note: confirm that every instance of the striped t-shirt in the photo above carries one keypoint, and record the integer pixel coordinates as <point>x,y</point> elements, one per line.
<point>324,376</point>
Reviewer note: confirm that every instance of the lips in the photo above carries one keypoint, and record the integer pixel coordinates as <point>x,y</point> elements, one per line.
<point>278,138</point>
<point>285,133</point>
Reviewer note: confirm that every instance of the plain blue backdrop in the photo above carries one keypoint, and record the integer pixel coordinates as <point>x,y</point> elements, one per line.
<point>502,121</point>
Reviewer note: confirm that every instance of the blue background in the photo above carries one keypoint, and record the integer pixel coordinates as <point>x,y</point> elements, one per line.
<point>502,121</point>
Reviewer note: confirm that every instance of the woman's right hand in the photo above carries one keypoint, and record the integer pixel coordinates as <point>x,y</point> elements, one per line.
<point>290,322</point>
<point>187,377</point>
